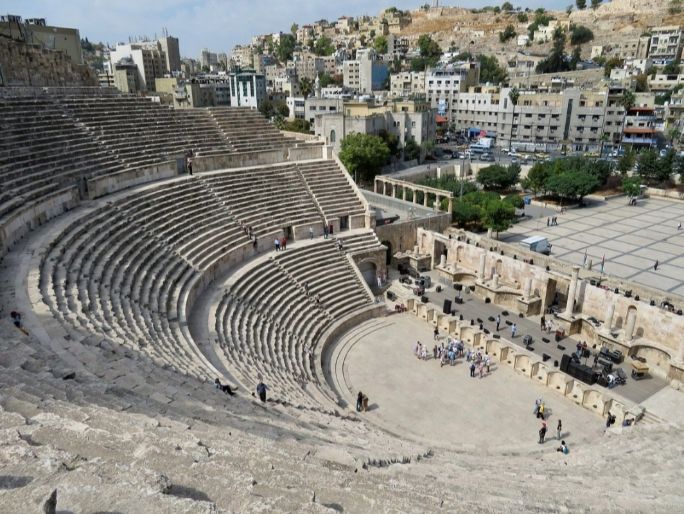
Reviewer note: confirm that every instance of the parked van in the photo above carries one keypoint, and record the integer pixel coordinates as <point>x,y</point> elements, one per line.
<point>537,244</point>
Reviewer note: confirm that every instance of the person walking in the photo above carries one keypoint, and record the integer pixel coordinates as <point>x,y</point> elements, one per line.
<point>310,232</point>
<point>283,243</point>
<point>261,389</point>
<point>559,429</point>
<point>514,329</point>
<point>472,369</point>
<point>498,321</point>
<point>542,323</point>
<point>542,432</point>
<point>325,231</point>
<point>276,243</point>
<point>679,227</point>
<point>655,266</point>
<point>548,222</point>
<point>359,402</point>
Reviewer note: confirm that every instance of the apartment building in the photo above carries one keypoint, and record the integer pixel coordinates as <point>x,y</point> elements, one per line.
<point>443,84</point>
<point>366,73</point>
<point>407,83</point>
<point>666,44</point>
<point>307,65</point>
<point>247,89</point>
<point>147,56</point>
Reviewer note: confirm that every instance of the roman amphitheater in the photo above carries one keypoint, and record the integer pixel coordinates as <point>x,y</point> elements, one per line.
<point>129,285</point>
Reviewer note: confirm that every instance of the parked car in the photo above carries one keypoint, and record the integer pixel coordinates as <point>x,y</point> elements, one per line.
<point>487,157</point>
<point>514,160</point>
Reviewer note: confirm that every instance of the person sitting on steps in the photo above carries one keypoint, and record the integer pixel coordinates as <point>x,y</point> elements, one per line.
<point>224,387</point>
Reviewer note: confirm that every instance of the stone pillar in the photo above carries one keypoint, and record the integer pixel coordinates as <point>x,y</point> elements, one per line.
<point>680,353</point>
<point>415,196</point>
<point>631,322</point>
<point>442,260</point>
<point>425,199</point>
<point>403,193</point>
<point>437,202</point>
<point>415,250</point>
<point>384,188</point>
<point>489,233</point>
<point>610,312</point>
<point>481,269</point>
<point>451,204</point>
<point>394,190</point>
<point>495,281</point>
<point>572,291</point>
<point>375,185</point>
<point>527,289</point>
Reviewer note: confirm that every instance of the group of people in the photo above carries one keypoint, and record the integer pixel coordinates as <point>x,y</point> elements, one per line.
<point>552,221</point>
<point>280,243</point>
<point>361,402</point>
<point>453,349</point>
<point>327,230</point>
<point>249,232</point>
<point>539,409</point>
<point>546,325</point>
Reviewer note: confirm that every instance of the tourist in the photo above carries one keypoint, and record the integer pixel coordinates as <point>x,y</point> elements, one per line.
<point>254,243</point>
<point>330,229</point>
<point>325,231</point>
<point>364,403</point>
<point>679,226</point>
<point>188,161</point>
<point>318,299</point>
<point>339,244</point>
<point>559,428</point>
<point>359,401</point>
<point>548,222</point>
<point>537,403</point>
<point>514,329</point>
<point>542,432</point>
<point>563,448</point>
<point>283,243</point>
<point>261,389</point>
<point>416,349</point>
<point>16,319</point>
<point>655,266</point>
<point>540,411</point>
<point>542,323</point>
<point>223,387</point>
<point>498,322</point>
<point>435,334</point>
<point>435,352</point>
<point>306,288</point>
<point>480,369</point>
<point>310,232</point>
<point>277,244</point>
<point>424,353</point>
<point>472,369</point>
<point>487,362</point>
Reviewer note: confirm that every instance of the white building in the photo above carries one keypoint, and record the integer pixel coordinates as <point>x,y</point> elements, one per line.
<point>407,83</point>
<point>147,57</point>
<point>442,84</point>
<point>666,44</point>
<point>247,89</point>
<point>365,74</point>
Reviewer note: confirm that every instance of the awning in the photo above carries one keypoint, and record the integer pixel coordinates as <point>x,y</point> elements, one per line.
<point>440,119</point>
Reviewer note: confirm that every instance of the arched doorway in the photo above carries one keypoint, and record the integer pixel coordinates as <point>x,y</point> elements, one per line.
<point>388,252</point>
<point>333,136</point>
<point>369,271</point>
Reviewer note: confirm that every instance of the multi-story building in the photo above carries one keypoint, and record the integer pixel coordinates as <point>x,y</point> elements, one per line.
<point>247,89</point>
<point>147,56</point>
<point>208,59</point>
<point>397,46</point>
<point>442,84</point>
<point>36,31</point>
<point>304,34</point>
<point>126,76</point>
<point>407,83</point>
<point>365,74</point>
<point>639,128</point>
<point>405,119</point>
<point>395,20</point>
<point>307,65</point>
<point>666,44</point>
<point>169,45</point>
<point>242,56</point>
<point>626,49</point>
<point>345,24</point>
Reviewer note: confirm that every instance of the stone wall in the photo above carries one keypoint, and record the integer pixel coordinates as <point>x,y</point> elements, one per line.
<point>107,184</point>
<point>22,64</point>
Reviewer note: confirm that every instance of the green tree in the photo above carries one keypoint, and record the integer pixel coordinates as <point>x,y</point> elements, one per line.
<point>626,162</point>
<point>380,45</point>
<point>557,60</point>
<point>672,68</point>
<point>324,46</point>
<point>631,186</point>
<point>392,142</point>
<point>522,17</point>
<point>364,155</point>
<point>508,33</point>
<point>573,185</point>
<point>465,213</point>
<point>507,6</point>
<point>497,177</point>
<point>581,4</point>
<point>490,71</point>
<point>579,35</point>
<point>498,215</point>
<point>648,166</point>
<point>595,3</point>
<point>285,48</point>
<point>628,100</point>
<point>514,95</point>
<point>575,58</point>
<point>536,178</point>
<point>306,86</point>
<point>613,62</point>
<point>429,49</point>
<point>293,29</point>
<point>641,83</point>
<point>411,149</point>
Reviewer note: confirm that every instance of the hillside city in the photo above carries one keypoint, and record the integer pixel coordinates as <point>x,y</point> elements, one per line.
<point>532,81</point>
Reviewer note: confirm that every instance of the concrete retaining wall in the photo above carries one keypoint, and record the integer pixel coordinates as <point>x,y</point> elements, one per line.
<point>113,182</point>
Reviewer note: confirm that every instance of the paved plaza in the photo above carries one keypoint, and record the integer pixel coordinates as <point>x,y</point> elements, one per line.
<point>445,406</point>
<point>631,238</point>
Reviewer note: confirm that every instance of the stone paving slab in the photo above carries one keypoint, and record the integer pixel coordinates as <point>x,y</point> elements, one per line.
<point>630,237</point>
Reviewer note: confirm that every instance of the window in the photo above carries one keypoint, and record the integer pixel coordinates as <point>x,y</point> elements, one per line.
<point>413,124</point>
<point>332,136</point>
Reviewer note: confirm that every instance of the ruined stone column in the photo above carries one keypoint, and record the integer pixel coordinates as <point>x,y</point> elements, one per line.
<point>572,291</point>
<point>415,250</point>
<point>481,269</point>
<point>394,190</point>
<point>680,353</point>
<point>375,185</point>
<point>384,188</point>
<point>631,322</point>
<point>495,281</point>
<point>403,193</point>
<point>610,312</point>
<point>489,233</point>
<point>527,289</point>
<point>425,199</point>
<point>442,260</point>
<point>451,205</point>
<point>415,196</point>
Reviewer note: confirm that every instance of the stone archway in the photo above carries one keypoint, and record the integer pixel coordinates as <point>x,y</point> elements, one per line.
<point>388,257</point>
<point>369,271</point>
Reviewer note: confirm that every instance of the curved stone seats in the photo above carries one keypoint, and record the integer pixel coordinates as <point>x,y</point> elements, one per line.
<point>247,130</point>
<point>272,196</point>
<point>267,324</point>
<point>332,190</point>
<point>360,242</point>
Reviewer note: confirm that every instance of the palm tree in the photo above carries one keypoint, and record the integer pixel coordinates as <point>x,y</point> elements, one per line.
<point>628,100</point>
<point>603,139</point>
<point>306,87</point>
<point>513,95</point>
